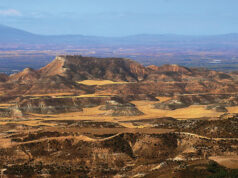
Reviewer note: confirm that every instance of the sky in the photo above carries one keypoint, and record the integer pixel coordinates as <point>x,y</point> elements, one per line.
<point>121,17</point>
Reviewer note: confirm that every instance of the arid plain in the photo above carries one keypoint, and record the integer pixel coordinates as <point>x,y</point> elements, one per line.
<point>113,117</point>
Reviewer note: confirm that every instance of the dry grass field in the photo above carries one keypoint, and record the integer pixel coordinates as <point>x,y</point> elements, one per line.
<point>68,95</point>
<point>37,96</point>
<point>233,109</point>
<point>94,114</point>
<point>112,130</point>
<point>194,111</point>
<point>226,161</point>
<point>81,96</point>
<point>5,143</point>
<point>5,105</point>
<point>101,82</point>
<point>162,99</point>
<point>50,94</point>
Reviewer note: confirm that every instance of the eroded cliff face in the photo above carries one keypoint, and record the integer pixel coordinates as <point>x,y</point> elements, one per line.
<point>217,102</point>
<point>63,104</point>
<point>56,67</point>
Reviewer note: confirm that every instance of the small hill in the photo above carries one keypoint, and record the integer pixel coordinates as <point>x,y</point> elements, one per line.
<point>26,76</point>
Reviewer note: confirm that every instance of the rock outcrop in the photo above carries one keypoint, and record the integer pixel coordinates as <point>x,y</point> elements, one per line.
<point>114,108</point>
<point>214,102</point>
<point>171,105</point>
<point>49,105</point>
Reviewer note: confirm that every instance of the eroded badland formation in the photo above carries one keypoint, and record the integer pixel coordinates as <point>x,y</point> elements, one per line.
<point>112,117</point>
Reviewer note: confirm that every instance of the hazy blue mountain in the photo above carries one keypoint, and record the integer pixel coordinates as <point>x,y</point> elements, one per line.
<point>8,34</point>
<point>11,35</point>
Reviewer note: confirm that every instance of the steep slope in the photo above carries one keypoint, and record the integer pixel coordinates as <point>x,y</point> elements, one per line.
<point>56,67</point>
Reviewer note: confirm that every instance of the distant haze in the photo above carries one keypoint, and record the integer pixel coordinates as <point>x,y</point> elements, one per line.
<point>121,17</point>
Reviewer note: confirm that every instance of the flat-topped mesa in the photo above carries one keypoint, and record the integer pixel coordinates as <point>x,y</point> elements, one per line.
<point>82,68</point>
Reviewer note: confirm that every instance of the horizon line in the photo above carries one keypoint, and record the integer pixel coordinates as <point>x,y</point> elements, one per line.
<point>122,36</point>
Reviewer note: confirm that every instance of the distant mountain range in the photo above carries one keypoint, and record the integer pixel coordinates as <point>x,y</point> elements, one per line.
<point>10,35</point>
<point>20,49</point>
